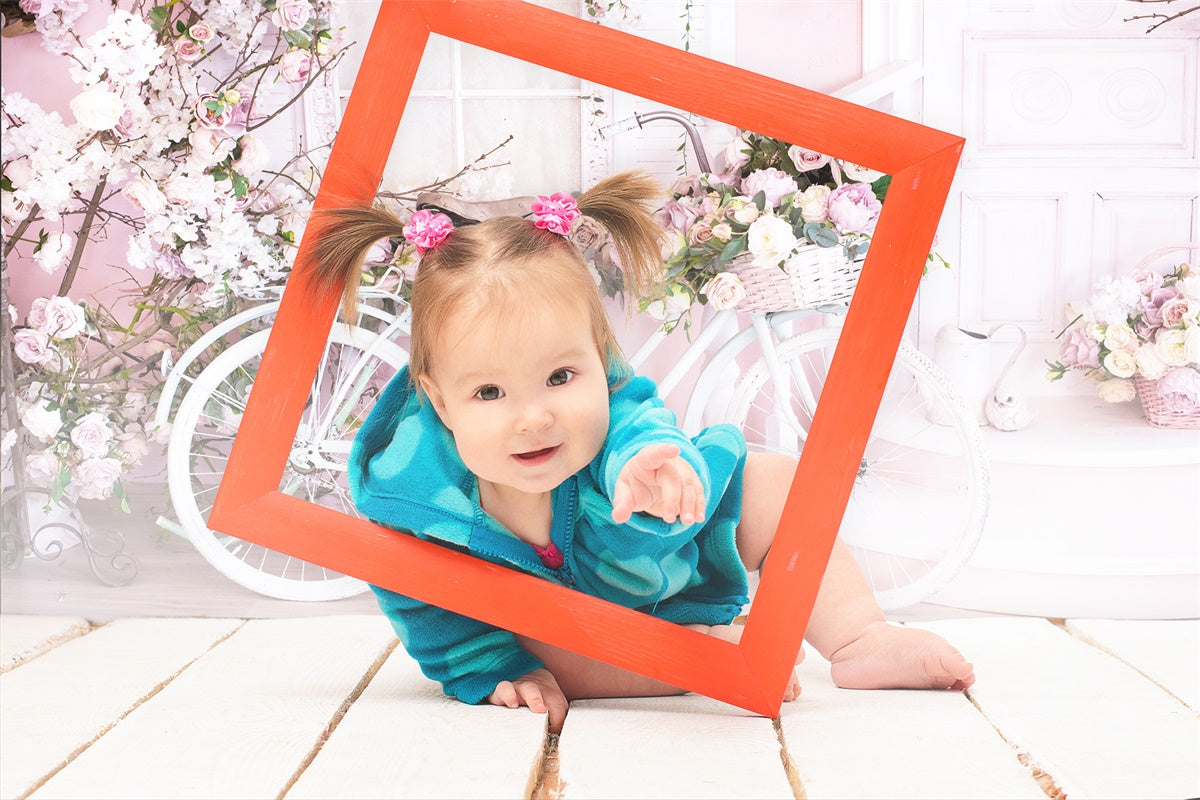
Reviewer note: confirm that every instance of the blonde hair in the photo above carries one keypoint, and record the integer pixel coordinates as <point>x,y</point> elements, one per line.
<point>497,262</point>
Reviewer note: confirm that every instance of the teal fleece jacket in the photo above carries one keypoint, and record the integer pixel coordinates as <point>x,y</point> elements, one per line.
<point>405,473</point>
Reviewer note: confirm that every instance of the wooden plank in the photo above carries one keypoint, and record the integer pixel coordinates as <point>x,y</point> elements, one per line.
<point>404,738</point>
<point>895,744</point>
<point>240,721</point>
<point>60,702</point>
<point>669,747</point>
<point>1165,651</point>
<point>23,638</point>
<point>1094,725</point>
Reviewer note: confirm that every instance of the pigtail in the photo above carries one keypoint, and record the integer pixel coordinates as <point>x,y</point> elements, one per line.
<point>622,203</point>
<point>344,235</point>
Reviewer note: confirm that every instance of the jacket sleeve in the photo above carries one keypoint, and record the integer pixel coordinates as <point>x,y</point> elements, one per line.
<point>466,656</point>
<point>639,419</point>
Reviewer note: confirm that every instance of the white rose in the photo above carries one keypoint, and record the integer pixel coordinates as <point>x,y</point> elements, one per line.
<point>1191,344</point>
<point>53,252</point>
<point>1120,337</point>
<point>860,174</point>
<point>181,189</point>
<point>41,422</point>
<point>64,319</point>
<point>32,346</point>
<point>41,467</point>
<point>133,444</point>
<point>145,196</point>
<point>255,155</point>
<point>97,109</point>
<point>1120,363</point>
<point>813,203</point>
<point>92,434</point>
<point>770,239</point>
<point>1189,287</point>
<point>745,213</point>
<point>724,291</point>
<point>1116,390</point>
<point>1149,365</point>
<point>670,307</point>
<point>1094,330</point>
<point>210,146</point>
<point>95,477</point>
<point>1171,347</point>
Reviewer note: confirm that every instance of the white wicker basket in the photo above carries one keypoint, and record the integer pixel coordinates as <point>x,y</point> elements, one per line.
<point>814,276</point>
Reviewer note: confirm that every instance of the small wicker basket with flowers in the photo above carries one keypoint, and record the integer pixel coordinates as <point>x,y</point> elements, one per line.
<point>773,227</point>
<point>1139,336</point>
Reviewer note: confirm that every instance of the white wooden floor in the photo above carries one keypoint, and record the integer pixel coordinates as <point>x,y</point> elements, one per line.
<point>147,707</point>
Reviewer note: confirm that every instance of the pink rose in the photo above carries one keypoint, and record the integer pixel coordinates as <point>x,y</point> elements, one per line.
<point>254,155</point>
<point>295,65</point>
<point>291,15</point>
<point>144,195</point>
<point>1080,350</point>
<point>211,111</point>
<point>1147,280</point>
<point>677,214</point>
<point>587,233</point>
<point>41,468</point>
<point>725,291</point>
<point>171,266</point>
<point>37,312</point>
<point>774,183</point>
<point>210,146</point>
<point>853,208</point>
<point>188,51</point>
<point>95,477</point>
<point>1152,305</point>
<point>64,318</point>
<point>202,32</point>
<point>700,233</point>
<point>555,212</point>
<point>1179,390</point>
<point>32,346</point>
<point>426,229</point>
<point>91,435</point>
<point>806,160</point>
<point>1174,311</point>
<point>31,6</point>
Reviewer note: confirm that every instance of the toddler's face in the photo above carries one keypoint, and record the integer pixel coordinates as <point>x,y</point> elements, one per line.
<point>525,396</point>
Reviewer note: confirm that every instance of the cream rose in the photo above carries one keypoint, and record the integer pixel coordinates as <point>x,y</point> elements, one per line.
<point>724,291</point>
<point>42,422</point>
<point>1171,347</point>
<point>210,146</point>
<point>813,203</point>
<point>92,434</point>
<point>1120,364</point>
<point>1191,344</point>
<point>145,196</point>
<point>1149,365</point>
<point>1120,337</point>
<point>1116,390</point>
<point>770,239</point>
<point>856,172</point>
<point>722,231</point>
<point>744,212</point>
<point>97,109</point>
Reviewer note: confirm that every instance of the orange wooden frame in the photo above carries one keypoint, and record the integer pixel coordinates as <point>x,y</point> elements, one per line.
<point>754,673</point>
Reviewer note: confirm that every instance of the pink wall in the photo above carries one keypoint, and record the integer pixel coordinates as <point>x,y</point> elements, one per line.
<point>43,78</point>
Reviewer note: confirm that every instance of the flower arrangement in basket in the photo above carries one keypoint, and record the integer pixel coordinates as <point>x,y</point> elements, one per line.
<point>1139,335</point>
<point>774,227</point>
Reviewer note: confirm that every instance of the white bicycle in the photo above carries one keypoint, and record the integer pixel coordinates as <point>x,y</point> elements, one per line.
<point>916,510</point>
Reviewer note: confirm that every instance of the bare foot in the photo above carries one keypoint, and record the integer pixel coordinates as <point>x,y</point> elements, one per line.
<point>888,657</point>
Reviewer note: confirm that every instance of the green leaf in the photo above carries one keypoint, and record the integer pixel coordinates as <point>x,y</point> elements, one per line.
<point>158,17</point>
<point>240,185</point>
<point>180,27</point>
<point>5,183</point>
<point>820,234</point>
<point>760,200</point>
<point>122,498</point>
<point>880,186</point>
<point>297,39</point>
<point>736,245</point>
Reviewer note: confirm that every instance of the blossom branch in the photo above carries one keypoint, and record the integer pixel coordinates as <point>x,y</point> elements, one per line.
<point>85,228</point>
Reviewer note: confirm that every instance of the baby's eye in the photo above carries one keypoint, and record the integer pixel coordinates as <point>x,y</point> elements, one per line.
<point>559,377</point>
<point>489,393</point>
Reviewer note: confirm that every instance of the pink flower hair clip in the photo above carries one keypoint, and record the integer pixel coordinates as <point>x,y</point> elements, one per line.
<point>555,213</point>
<point>426,229</point>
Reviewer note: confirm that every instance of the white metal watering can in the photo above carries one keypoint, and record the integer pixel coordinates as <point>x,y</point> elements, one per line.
<point>965,358</point>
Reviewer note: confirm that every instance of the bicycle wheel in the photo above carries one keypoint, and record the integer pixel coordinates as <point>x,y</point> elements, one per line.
<point>354,369</point>
<point>920,498</point>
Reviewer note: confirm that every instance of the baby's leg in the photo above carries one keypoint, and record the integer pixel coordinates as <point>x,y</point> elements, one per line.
<point>847,627</point>
<point>581,677</point>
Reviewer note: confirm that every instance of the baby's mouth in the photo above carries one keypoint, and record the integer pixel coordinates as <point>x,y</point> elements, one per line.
<point>536,456</point>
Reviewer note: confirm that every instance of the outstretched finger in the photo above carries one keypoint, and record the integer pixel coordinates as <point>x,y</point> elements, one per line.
<point>531,696</point>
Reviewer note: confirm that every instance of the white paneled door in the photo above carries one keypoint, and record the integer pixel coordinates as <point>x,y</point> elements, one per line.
<point>1081,154</point>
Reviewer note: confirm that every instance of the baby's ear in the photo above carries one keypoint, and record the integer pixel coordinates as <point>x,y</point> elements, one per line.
<point>430,388</point>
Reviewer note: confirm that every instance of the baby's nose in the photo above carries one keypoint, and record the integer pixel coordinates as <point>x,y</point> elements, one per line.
<point>535,417</point>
